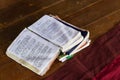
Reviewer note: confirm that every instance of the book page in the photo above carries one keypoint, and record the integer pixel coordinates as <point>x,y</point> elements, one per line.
<point>53,30</point>
<point>33,49</point>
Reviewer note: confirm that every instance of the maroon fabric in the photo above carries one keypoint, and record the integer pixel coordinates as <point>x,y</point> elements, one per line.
<point>110,72</point>
<point>86,64</point>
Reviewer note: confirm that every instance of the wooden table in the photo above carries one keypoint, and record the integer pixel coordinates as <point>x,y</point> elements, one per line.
<point>98,16</point>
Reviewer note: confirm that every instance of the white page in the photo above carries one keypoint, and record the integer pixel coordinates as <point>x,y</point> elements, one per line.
<point>33,49</point>
<point>53,30</point>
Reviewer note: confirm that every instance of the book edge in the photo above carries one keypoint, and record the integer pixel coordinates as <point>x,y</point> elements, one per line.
<point>22,62</point>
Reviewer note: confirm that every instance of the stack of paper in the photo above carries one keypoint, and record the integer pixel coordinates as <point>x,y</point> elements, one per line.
<point>37,46</point>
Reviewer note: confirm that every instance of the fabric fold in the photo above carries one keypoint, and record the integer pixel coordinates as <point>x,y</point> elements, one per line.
<point>110,72</point>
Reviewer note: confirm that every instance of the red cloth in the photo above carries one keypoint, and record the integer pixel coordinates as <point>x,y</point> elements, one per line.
<point>110,72</point>
<point>86,64</point>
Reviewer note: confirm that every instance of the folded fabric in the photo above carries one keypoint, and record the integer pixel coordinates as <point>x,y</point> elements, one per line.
<point>110,72</point>
<point>86,64</point>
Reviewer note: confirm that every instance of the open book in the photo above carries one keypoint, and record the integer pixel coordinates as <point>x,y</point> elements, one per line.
<point>37,46</point>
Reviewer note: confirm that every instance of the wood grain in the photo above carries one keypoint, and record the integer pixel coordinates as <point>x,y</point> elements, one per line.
<point>26,13</point>
<point>98,16</point>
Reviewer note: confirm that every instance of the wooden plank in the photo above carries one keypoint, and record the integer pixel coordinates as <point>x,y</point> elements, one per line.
<point>7,3</point>
<point>62,8</point>
<point>17,27</point>
<point>94,12</point>
<point>104,24</point>
<point>6,39</point>
<point>96,28</point>
<point>16,72</point>
<point>108,20</point>
<point>22,8</point>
